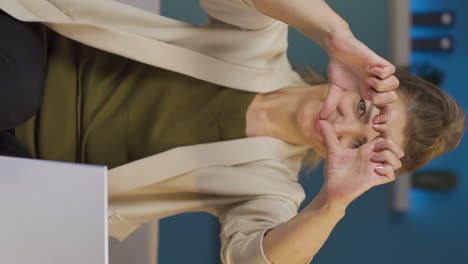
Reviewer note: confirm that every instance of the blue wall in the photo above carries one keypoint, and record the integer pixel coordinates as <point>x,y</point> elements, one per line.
<point>433,231</point>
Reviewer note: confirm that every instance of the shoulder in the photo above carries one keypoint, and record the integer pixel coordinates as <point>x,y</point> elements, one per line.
<point>240,13</point>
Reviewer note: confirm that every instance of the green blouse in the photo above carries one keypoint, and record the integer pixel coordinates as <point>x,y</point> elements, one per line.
<point>101,108</point>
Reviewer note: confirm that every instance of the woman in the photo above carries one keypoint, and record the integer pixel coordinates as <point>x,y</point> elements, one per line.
<point>98,108</point>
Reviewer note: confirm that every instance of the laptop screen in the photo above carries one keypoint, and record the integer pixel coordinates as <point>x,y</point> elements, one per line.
<point>52,212</point>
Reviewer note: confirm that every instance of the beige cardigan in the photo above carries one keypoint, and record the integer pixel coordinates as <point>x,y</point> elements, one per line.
<point>250,184</point>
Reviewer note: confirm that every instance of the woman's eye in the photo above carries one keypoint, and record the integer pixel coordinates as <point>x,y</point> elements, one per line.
<point>361,107</point>
<point>356,145</point>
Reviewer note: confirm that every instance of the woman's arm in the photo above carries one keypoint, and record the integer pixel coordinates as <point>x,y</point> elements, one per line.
<point>353,66</point>
<point>299,239</point>
<point>348,174</point>
<point>314,18</point>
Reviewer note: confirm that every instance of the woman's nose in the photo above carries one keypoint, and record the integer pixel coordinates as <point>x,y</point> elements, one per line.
<point>347,128</point>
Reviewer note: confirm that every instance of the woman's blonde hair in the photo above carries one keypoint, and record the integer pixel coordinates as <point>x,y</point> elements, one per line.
<point>435,123</point>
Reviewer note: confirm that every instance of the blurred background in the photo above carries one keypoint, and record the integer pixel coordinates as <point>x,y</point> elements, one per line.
<point>433,228</point>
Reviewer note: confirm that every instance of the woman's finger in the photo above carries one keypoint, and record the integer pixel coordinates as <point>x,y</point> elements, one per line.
<point>383,85</point>
<point>386,171</point>
<point>384,115</point>
<point>388,158</point>
<point>389,144</point>
<point>381,99</point>
<point>331,140</point>
<point>331,102</point>
<point>382,71</point>
<point>368,148</point>
<point>380,128</point>
<point>379,122</point>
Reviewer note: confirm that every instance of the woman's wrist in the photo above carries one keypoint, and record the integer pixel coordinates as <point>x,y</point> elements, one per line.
<point>325,204</point>
<point>330,36</point>
<point>300,238</point>
<point>336,40</point>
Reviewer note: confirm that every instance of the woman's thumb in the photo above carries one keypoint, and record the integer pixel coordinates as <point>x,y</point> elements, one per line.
<point>331,140</point>
<point>331,102</point>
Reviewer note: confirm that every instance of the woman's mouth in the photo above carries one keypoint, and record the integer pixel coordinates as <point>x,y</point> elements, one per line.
<point>308,121</point>
<point>317,125</point>
<point>304,118</point>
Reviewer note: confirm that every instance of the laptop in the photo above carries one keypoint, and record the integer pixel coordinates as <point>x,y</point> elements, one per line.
<point>52,212</point>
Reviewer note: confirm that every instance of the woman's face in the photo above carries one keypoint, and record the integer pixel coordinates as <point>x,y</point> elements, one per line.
<point>352,122</point>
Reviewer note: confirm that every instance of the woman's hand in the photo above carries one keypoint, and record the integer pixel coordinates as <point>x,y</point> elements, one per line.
<point>351,172</point>
<point>354,67</point>
<point>348,174</point>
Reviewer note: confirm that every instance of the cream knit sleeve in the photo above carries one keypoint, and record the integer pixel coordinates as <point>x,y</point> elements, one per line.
<point>243,226</point>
